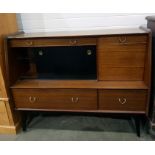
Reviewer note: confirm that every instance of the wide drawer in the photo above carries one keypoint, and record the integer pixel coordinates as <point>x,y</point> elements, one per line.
<point>123,100</point>
<point>64,99</point>
<point>52,42</point>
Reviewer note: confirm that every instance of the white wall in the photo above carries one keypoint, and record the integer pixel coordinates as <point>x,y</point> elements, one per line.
<point>32,22</point>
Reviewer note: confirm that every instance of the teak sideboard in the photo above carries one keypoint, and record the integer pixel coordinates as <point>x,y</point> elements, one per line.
<point>123,71</point>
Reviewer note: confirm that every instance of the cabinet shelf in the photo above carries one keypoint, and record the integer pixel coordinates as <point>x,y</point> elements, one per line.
<point>89,84</point>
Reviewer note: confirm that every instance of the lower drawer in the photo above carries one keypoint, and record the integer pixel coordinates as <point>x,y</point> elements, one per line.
<point>65,99</point>
<point>122,100</point>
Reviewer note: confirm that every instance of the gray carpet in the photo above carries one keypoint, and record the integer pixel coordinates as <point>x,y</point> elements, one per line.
<point>79,128</point>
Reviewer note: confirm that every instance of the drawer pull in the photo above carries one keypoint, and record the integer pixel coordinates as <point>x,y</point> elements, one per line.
<point>29,43</point>
<point>73,42</point>
<point>32,99</point>
<point>75,100</point>
<point>122,40</point>
<point>122,101</point>
<point>89,52</point>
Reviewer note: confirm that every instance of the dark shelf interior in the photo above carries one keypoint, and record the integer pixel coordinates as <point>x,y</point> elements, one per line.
<point>63,62</point>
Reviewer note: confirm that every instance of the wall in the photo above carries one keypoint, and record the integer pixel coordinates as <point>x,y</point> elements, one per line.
<point>32,22</point>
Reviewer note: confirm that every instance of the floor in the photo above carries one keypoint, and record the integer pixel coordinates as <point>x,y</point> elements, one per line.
<point>79,128</point>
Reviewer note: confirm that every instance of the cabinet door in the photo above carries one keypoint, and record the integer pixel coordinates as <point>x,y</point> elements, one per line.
<point>122,57</point>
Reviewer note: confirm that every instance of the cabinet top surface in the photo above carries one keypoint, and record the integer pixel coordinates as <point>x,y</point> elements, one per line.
<point>98,32</point>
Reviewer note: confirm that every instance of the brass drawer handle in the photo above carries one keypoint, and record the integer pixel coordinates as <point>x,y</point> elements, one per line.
<point>75,100</point>
<point>122,101</point>
<point>122,40</point>
<point>73,42</point>
<point>29,43</point>
<point>32,99</point>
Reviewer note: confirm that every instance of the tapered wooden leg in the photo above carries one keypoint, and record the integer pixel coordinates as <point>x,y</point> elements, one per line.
<point>137,124</point>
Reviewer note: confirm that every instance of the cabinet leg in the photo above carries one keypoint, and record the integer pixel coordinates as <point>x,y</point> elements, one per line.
<point>24,121</point>
<point>137,124</point>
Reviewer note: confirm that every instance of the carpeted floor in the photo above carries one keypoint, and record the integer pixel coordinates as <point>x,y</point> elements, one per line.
<point>79,128</point>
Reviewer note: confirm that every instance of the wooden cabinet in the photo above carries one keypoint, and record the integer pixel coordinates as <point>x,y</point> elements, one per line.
<point>122,66</point>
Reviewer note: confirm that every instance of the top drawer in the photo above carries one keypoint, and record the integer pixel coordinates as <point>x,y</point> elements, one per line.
<point>124,39</point>
<point>52,42</point>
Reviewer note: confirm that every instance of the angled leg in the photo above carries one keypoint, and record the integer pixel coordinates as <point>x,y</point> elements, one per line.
<point>137,124</point>
<point>24,120</point>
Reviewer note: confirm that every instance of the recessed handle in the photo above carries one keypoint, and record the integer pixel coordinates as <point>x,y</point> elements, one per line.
<point>29,43</point>
<point>32,99</point>
<point>73,42</point>
<point>122,40</point>
<point>75,99</point>
<point>122,100</point>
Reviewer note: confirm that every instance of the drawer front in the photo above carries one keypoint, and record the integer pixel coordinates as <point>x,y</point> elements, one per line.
<point>52,42</point>
<point>123,100</point>
<point>65,99</point>
<point>124,39</point>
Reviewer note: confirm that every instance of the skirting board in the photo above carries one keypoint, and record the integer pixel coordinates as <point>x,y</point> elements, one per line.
<point>10,129</point>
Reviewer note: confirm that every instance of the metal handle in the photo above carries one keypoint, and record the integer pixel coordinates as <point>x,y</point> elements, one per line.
<point>40,53</point>
<point>73,42</point>
<point>29,43</point>
<point>32,99</point>
<point>75,100</point>
<point>122,40</point>
<point>89,52</point>
<point>122,101</point>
